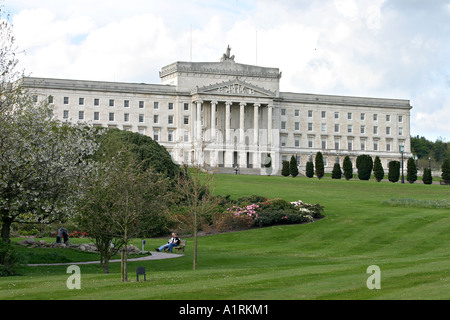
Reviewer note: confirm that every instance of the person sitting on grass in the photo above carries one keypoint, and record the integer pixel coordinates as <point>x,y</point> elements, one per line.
<point>173,242</point>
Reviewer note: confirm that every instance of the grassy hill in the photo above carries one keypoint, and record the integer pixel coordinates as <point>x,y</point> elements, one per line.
<point>327,259</point>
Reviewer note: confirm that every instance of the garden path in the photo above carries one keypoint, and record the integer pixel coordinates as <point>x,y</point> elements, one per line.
<point>153,256</point>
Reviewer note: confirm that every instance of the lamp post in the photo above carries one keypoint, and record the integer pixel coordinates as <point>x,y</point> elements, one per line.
<point>402,148</point>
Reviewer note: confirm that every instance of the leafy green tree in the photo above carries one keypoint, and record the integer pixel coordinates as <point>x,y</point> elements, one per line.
<point>348,168</point>
<point>318,162</point>
<point>337,172</point>
<point>378,170</point>
<point>394,171</point>
<point>427,177</point>
<point>285,168</point>
<point>364,164</point>
<point>293,169</point>
<point>411,173</point>
<point>310,169</point>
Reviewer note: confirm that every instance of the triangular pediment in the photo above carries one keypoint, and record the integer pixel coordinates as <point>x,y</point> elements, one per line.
<point>235,87</point>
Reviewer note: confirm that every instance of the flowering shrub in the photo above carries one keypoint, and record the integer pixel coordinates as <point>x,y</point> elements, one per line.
<point>77,234</point>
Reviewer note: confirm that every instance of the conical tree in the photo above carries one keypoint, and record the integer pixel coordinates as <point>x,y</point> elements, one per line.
<point>411,173</point>
<point>348,168</point>
<point>337,172</point>
<point>394,171</point>
<point>427,177</point>
<point>318,161</point>
<point>364,164</point>
<point>309,169</point>
<point>285,168</point>
<point>378,170</point>
<point>293,169</point>
<point>446,170</point>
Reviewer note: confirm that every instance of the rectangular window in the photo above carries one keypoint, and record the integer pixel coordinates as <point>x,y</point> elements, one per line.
<point>170,119</point>
<point>141,104</point>
<point>297,126</point>
<point>283,125</point>
<point>350,145</point>
<point>363,116</point>
<point>96,102</point>
<point>336,143</point>
<point>111,102</point>
<point>186,136</point>
<point>363,145</point>
<point>310,142</point>
<point>96,115</point>
<point>388,130</point>
<point>141,117</point>
<point>324,114</point>
<point>297,113</point>
<point>186,106</point>
<point>349,116</point>
<point>50,99</point>
<point>323,127</point>
<point>375,145</point>
<point>156,134</point>
<point>283,112</point>
<point>170,105</point>
<point>126,103</point>
<point>111,116</point>
<point>388,117</point>
<point>283,140</point>
<point>336,128</point>
<point>400,118</point>
<point>81,115</point>
<point>324,143</point>
<point>388,145</point>
<point>126,117</point>
<point>336,115</point>
<point>66,114</point>
<point>349,128</point>
<point>81,101</point>
<point>375,130</point>
<point>170,135</point>
<point>363,129</point>
<point>155,118</point>
<point>66,100</point>
<point>310,126</point>
<point>310,113</point>
<point>375,117</point>
<point>156,105</point>
<point>297,141</point>
<point>186,120</point>
<point>400,131</point>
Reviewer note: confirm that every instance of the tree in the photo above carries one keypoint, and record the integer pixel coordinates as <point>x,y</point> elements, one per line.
<point>293,169</point>
<point>337,172</point>
<point>394,171</point>
<point>196,203</point>
<point>411,173</point>
<point>42,162</point>
<point>309,169</point>
<point>318,162</point>
<point>364,164</point>
<point>427,177</point>
<point>446,170</point>
<point>121,201</point>
<point>378,170</point>
<point>348,168</point>
<point>285,168</point>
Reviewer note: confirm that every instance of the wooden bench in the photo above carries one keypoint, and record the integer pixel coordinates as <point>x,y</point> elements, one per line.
<point>179,247</point>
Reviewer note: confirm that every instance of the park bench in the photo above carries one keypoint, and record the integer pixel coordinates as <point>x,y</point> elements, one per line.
<point>444,182</point>
<point>180,247</point>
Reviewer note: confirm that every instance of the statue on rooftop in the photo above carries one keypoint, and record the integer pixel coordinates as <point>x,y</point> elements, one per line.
<point>227,56</point>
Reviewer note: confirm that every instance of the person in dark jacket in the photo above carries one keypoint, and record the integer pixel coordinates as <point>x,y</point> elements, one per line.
<point>173,242</point>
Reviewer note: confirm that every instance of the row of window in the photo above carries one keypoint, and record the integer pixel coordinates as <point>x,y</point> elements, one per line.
<point>337,115</point>
<point>126,117</point>
<point>337,144</point>
<point>323,128</point>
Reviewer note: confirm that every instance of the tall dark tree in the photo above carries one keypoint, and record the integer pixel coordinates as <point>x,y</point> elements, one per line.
<point>310,169</point>
<point>364,164</point>
<point>378,170</point>
<point>411,173</point>
<point>427,177</point>
<point>337,172</point>
<point>285,168</point>
<point>293,169</point>
<point>394,171</point>
<point>348,168</point>
<point>446,170</point>
<point>318,162</point>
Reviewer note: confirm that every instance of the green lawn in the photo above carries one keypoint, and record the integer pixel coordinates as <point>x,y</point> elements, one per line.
<point>326,259</point>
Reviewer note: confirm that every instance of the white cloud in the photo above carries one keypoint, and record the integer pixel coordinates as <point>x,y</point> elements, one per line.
<point>377,48</point>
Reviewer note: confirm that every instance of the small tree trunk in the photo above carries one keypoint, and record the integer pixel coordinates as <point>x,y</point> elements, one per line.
<point>6,230</point>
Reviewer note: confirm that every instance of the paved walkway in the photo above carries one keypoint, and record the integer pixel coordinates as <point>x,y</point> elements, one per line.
<point>154,256</point>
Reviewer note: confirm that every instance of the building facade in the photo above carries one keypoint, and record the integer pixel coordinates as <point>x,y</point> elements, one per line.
<point>226,114</point>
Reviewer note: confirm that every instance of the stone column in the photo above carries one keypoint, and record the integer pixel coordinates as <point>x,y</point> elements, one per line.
<point>242,124</point>
<point>213,121</point>
<point>227,121</point>
<point>256,124</point>
<point>199,121</point>
<point>269,124</point>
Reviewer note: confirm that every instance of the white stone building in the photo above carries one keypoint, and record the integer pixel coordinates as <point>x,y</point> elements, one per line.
<point>224,114</point>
